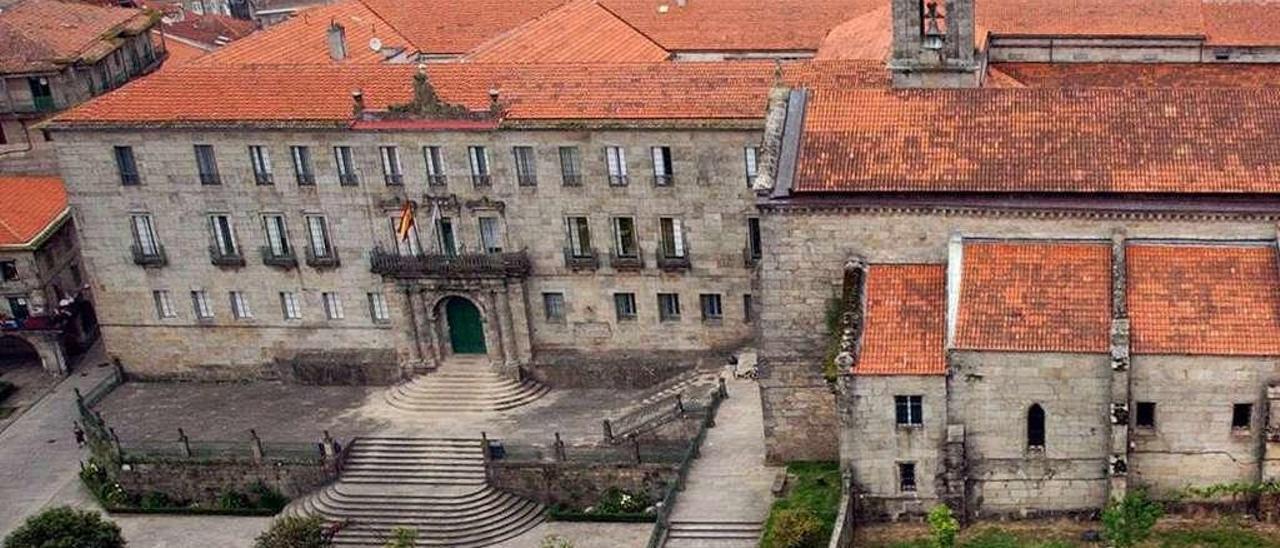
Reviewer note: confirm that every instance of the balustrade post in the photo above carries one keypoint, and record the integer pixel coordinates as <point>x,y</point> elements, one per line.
<point>635,447</point>
<point>255,445</point>
<point>559,447</point>
<point>608,431</point>
<point>184,443</point>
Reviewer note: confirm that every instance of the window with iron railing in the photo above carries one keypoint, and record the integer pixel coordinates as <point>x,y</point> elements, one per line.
<point>303,170</point>
<point>127,166</point>
<point>434,158</point>
<point>392,171</point>
<point>526,166</point>
<point>570,166</point>
<point>260,159</point>
<point>616,161</point>
<point>479,159</point>
<point>662,166</point>
<point>344,159</point>
<point>207,165</point>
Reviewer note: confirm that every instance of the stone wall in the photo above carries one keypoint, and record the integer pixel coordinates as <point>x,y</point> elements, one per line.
<point>626,370</point>
<point>709,194</point>
<point>579,485</point>
<point>203,482</point>
<point>872,444</point>
<point>1193,444</point>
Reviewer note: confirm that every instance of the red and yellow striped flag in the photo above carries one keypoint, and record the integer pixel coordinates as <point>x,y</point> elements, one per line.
<point>406,221</point>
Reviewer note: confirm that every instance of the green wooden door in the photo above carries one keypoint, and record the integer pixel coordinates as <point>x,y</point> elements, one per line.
<point>466,333</point>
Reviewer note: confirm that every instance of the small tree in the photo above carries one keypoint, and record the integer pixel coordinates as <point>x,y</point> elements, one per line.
<point>403,537</point>
<point>1128,521</point>
<point>294,532</point>
<point>793,528</point>
<point>943,527</point>
<point>66,526</point>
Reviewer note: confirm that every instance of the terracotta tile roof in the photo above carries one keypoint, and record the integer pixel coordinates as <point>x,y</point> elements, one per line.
<point>41,35</point>
<point>866,36</point>
<point>210,29</point>
<point>1035,297</point>
<point>217,94</point>
<point>578,32</point>
<point>180,52</point>
<point>456,26</point>
<point>1140,75</point>
<point>1042,140</point>
<point>303,39</point>
<point>30,205</point>
<point>1204,299</point>
<point>906,321</point>
<point>719,25</point>
<point>1241,23</point>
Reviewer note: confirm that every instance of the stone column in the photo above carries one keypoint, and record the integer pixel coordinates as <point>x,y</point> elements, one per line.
<point>508,330</point>
<point>431,326</point>
<point>501,336</point>
<point>519,317</point>
<point>1118,457</point>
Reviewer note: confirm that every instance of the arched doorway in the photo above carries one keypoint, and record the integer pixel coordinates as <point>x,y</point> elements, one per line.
<point>466,330</point>
<point>17,353</point>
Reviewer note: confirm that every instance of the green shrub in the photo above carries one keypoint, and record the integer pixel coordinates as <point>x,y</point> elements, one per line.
<point>1128,521</point>
<point>155,499</point>
<point>66,527</point>
<point>267,498</point>
<point>294,532</point>
<point>233,500</point>
<point>617,501</point>
<point>943,527</point>
<point>403,537</point>
<point>794,528</point>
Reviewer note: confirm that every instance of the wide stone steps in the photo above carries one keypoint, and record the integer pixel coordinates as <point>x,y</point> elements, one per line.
<point>436,487</point>
<point>463,391</point>
<point>714,534</point>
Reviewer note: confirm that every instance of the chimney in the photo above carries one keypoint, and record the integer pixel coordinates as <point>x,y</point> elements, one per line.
<point>337,41</point>
<point>682,3</point>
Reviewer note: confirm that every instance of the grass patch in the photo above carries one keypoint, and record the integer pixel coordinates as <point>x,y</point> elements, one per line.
<point>1222,534</point>
<point>814,488</point>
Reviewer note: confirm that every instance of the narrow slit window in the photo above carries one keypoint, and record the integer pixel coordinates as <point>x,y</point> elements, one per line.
<point>1035,427</point>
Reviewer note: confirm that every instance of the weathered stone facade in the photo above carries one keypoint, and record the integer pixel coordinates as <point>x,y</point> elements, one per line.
<point>708,193</point>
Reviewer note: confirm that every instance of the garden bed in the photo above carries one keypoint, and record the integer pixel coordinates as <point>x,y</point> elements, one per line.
<point>257,500</point>
<point>1169,533</point>
<point>806,514</point>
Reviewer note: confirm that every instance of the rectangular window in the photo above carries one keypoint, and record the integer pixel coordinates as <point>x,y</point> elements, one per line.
<point>445,238</point>
<point>144,235</point>
<point>662,168</point>
<point>909,410</point>
<point>526,166</point>
<point>616,158</point>
<point>277,235</point>
<point>9,271</point>
<point>1242,416</point>
<point>748,310</point>
<point>672,234</point>
<point>754,249</point>
<point>240,306</point>
<point>318,231</point>
<point>490,235</point>
<point>669,307</point>
<point>625,305</point>
<point>711,310</point>
<point>625,242</point>
<point>261,160</point>
<point>200,304</point>
<point>479,157</point>
<point>302,167</point>
<point>207,165</point>
<point>553,306</point>
<point>345,161</point>
<point>570,166</point>
<point>751,156</point>
<point>408,246</point>
<point>224,237</point>
<point>907,477</point>
<point>19,307</point>
<point>1145,415</point>
<point>126,166</point>
<point>434,158</point>
<point>333,306</point>
<point>378,308</point>
<point>164,305</point>
<point>290,309</point>
<point>579,234</point>
<point>392,171</point>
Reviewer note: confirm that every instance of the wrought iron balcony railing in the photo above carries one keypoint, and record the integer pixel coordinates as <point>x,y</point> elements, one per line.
<point>586,259</point>
<point>328,260</point>
<point>508,264</point>
<point>632,261</point>
<point>672,262</point>
<point>220,258</point>
<point>286,259</point>
<point>149,257</point>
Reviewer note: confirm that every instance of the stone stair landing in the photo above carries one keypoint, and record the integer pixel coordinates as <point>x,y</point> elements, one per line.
<point>463,385</point>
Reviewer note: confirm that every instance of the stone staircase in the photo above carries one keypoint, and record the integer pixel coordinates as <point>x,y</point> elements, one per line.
<point>434,486</point>
<point>455,389</point>
<point>714,534</point>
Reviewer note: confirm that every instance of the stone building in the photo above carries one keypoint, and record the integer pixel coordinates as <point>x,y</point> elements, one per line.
<point>44,310</point>
<point>1062,257</point>
<point>55,54</point>
<point>547,227</point>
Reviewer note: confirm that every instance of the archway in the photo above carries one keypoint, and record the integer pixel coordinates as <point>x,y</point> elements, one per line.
<point>16,353</point>
<point>466,330</point>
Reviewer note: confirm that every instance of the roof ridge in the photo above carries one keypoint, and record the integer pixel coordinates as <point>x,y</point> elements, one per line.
<point>498,38</point>
<point>384,20</point>
<point>631,26</point>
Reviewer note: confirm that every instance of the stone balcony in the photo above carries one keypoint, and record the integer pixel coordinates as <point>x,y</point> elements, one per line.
<point>220,258</point>
<point>148,257</point>
<point>671,262</point>
<point>512,264</point>
<point>285,260</point>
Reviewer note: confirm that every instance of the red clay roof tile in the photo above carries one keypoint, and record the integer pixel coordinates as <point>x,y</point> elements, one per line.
<point>456,26</point>
<point>726,25</point>
<point>29,206</point>
<point>1140,75</point>
<point>906,321</point>
<point>578,32</point>
<point>1035,297</point>
<point>230,94</point>
<point>39,35</point>
<point>1042,140</point>
<point>303,39</point>
<point>1204,299</point>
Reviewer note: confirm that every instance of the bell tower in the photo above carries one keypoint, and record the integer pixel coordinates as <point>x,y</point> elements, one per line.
<point>933,44</point>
